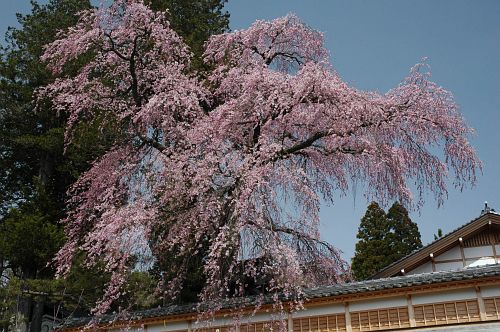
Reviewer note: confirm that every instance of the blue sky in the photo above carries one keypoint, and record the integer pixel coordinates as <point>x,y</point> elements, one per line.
<point>373,44</point>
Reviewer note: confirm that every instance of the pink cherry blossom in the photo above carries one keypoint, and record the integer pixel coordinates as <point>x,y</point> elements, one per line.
<point>234,166</point>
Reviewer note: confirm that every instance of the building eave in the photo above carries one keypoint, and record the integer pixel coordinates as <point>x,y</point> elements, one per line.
<point>439,246</point>
<point>357,291</point>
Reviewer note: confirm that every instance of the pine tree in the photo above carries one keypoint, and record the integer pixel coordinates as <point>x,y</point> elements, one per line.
<point>383,239</point>
<point>371,249</point>
<point>439,234</point>
<point>403,236</point>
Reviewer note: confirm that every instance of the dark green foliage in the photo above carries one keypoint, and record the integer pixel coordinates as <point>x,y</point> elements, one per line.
<point>36,169</point>
<point>195,21</point>
<point>404,236</point>
<point>439,234</point>
<point>383,239</point>
<point>75,295</point>
<point>31,142</point>
<point>141,291</point>
<point>34,173</point>
<point>29,242</point>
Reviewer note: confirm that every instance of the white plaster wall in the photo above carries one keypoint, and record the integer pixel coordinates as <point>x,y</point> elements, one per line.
<point>171,326</point>
<point>480,261</point>
<point>176,326</point>
<point>261,317</point>
<point>452,266</point>
<point>320,311</point>
<point>424,268</point>
<point>213,323</point>
<point>453,253</point>
<point>445,296</point>
<point>478,251</point>
<point>156,328</point>
<point>399,301</point>
<point>490,291</point>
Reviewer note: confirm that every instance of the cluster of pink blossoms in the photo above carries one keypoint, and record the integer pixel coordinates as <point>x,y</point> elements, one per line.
<point>234,167</point>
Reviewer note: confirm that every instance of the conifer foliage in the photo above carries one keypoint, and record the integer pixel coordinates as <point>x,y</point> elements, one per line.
<point>211,160</point>
<point>36,169</point>
<point>383,239</point>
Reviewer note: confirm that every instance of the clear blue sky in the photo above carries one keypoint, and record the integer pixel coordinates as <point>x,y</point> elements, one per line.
<point>373,44</point>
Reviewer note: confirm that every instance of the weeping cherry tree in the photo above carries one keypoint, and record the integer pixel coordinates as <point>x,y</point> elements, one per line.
<point>233,166</point>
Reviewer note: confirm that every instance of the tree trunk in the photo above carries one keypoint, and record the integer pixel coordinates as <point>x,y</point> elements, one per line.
<point>46,170</point>
<point>36,317</point>
<point>23,314</point>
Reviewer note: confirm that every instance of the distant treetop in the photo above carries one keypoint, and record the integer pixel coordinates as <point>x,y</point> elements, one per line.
<point>383,239</point>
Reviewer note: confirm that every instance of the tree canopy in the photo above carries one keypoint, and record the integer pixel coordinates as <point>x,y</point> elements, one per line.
<point>195,21</point>
<point>34,174</point>
<point>36,168</point>
<point>383,239</point>
<point>217,161</point>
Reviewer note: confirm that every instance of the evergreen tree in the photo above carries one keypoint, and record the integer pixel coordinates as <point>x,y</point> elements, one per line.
<point>36,169</point>
<point>403,236</point>
<point>439,234</point>
<point>195,21</point>
<point>371,250</point>
<point>383,239</point>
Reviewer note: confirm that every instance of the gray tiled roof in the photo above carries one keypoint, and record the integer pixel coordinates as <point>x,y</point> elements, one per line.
<point>319,292</point>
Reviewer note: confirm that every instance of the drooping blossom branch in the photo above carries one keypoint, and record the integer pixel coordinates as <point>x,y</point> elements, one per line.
<point>233,168</point>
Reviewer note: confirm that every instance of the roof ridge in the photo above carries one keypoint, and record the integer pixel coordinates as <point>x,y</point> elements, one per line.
<point>431,243</point>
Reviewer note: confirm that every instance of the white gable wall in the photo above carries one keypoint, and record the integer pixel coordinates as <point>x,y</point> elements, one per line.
<point>477,252</point>
<point>453,253</point>
<point>452,259</point>
<point>320,311</point>
<point>449,266</point>
<point>391,302</point>
<point>424,268</point>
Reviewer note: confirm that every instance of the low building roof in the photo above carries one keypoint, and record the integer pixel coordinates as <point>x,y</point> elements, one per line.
<point>407,281</point>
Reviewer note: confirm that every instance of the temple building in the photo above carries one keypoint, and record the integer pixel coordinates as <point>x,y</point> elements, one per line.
<point>452,284</point>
